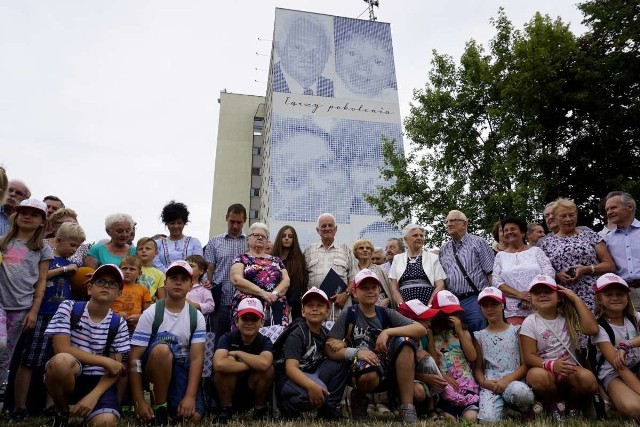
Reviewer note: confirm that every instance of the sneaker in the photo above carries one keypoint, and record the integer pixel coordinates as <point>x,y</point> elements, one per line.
<point>224,415</point>
<point>358,405</point>
<point>382,409</point>
<point>329,414</point>
<point>18,416</point>
<point>537,408</point>
<point>371,408</point>
<point>557,416</point>
<point>60,419</point>
<point>261,413</point>
<point>408,413</point>
<point>161,416</point>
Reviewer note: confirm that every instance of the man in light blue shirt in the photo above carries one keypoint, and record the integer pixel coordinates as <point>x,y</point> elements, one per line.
<point>623,241</point>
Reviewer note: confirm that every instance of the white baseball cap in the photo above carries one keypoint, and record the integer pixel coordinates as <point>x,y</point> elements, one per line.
<point>180,265</point>
<point>542,279</point>
<point>315,291</point>
<point>446,302</point>
<point>609,279</point>
<point>364,274</point>
<point>493,293</point>
<point>416,309</point>
<point>250,305</point>
<point>36,204</point>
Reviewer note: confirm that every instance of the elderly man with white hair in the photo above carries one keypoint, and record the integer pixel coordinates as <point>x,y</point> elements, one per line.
<point>468,262</point>
<point>416,273</point>
<point>17,191</point>
<point>325,255</point>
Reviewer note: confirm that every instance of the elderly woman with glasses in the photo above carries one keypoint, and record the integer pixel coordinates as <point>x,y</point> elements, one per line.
<point>416,273</point>
<point>256,274</point>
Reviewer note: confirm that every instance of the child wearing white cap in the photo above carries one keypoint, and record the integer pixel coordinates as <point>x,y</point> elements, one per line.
<point>243,365</point>
<point>23,275</point>
<point>617,360</point>
<point>380,344</point>
<point>167,349</point>
<point>500,370</point>
<point>451,344</point>
<point>549,338</point>
<point>310,380</point>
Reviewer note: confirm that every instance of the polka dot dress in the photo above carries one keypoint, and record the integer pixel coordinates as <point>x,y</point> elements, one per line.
<point>414,283</point>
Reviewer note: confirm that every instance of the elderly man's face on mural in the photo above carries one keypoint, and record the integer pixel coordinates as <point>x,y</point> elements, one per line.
<point>305,52</point>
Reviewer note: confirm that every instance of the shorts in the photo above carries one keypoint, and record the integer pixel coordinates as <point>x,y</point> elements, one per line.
<point>385,370</point>
<point>179,380</point>
<point>36,344</point>
<point>107,403</point>
<point>613,375</point>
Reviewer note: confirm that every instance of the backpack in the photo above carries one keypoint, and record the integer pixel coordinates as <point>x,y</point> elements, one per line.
<point>159,317</point>
<point>114,325</point>
<point>596,363</point>
<point>278,346</point>
<point>352,313</point>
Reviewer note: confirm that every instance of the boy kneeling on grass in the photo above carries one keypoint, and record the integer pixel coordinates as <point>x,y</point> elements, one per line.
<point>168,349</point>
<point>89,341</point>
<point>380,343</point>
<point>243,365</point>
<point>309,379</point>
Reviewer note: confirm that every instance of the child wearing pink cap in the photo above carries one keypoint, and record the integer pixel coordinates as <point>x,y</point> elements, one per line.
<point>618,357</point>
<point>549,338</point>
<point>451,344</point>
<point>500,368</point>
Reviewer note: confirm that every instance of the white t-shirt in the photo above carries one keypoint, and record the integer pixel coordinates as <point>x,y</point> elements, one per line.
<point>548,344</point>
<point>179,324</point>
<point>621,333</point>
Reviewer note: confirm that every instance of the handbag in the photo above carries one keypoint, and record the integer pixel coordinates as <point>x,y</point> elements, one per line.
<point>273,331</point>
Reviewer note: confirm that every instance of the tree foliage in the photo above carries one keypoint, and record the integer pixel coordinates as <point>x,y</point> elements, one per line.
<point>514,126</point>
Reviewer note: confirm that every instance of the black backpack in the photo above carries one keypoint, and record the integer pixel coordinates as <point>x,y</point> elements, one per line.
<point>596,362</point>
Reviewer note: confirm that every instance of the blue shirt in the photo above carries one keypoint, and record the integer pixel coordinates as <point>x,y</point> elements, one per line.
<point>221,251</point>
<point>477,259</point>
<point>624,247</point>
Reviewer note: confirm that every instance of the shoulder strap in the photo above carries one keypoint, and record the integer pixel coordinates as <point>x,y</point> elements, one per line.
<point>158,318</point>
<point>351,321</point>
<point>383,317</point>
<point>114,326</point>
<point>76,313</point>
<point>193,320</point>
<point>461,267</point>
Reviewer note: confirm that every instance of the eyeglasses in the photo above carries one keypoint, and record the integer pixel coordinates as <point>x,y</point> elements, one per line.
<point>259,236</point>
<point>452,221</point>
<point>364,248</point>
<point>108,284</point>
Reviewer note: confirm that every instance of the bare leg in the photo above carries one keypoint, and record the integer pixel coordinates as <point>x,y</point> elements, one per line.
<point>405,374</point>
<point>260,383</point>
<point>61,379</point>
<point>158,372</point>
<point>23,381</point>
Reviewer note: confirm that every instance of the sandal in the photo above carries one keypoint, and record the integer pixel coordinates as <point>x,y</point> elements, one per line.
<point>433,415</point>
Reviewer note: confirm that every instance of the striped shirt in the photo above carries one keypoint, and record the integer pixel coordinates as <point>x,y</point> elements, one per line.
<point>221,251</point>
<point>88,336</point>
<point>476,257</point>
<point>319,260</point>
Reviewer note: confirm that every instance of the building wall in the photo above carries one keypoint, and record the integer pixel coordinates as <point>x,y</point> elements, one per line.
<point>331,98</point>
<point>238,157</point>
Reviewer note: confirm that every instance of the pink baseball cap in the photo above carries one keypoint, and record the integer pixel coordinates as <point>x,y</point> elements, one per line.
<point>315,291</point>
<point>35,204</point>
<point>493,293</point>
<point>609,279</point>
<point>542,279</point>
<point>416,309</point>
<point>250,306</point>
<point>363,275</point>
<point>446,302</point>
<point>180,265</point>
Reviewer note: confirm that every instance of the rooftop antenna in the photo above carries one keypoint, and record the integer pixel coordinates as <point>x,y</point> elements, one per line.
<point>372,3</point>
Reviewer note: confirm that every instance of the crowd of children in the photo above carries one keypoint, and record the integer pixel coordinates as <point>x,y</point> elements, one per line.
<point>139,330</point>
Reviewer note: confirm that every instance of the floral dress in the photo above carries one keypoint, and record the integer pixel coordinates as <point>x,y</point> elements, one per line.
<point>266,272</point>
<point>454,363</point>
<point>565,251</point>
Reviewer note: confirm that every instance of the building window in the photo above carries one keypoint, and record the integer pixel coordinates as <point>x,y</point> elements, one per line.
<point>253,214</point>
<point>255,192</point>
<point>255,171</point>
<point>257,151</point>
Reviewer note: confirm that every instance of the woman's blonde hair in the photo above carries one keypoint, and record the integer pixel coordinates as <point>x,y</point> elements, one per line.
<point>564,203</point>
<point>362,242</point>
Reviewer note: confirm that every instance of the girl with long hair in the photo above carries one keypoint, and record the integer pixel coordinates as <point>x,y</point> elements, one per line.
<point>286,246</point>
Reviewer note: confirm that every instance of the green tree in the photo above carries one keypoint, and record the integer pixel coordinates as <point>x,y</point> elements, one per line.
<point>489,135</point>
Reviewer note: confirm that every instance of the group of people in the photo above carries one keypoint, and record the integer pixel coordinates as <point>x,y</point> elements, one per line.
<point>537,323</point>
